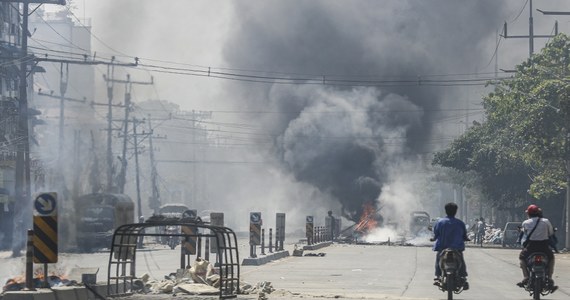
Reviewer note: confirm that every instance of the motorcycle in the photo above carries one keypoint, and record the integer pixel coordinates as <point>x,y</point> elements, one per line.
<point>539,282</point>
<point>172,239</point>
<point>450,262</point>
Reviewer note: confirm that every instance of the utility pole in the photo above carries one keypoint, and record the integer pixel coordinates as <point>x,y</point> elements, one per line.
<point>531,36</point>
<point>128,87</point>
<point>567,145</point>
<point>139,206</point>
<point>110,73</point>
<point>137,171</point>
<point>155,198</point>
<point>62,89</point>
<point>22,180</point>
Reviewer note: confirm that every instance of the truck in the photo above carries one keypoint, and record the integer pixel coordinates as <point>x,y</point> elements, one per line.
<point>419,223</point>
<point>98,215</point>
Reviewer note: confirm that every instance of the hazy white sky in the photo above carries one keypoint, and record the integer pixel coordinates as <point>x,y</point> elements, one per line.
<point>358,37</point>
<point>195,32</point>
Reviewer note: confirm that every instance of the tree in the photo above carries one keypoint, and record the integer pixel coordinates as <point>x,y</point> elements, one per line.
<point>522,148</point>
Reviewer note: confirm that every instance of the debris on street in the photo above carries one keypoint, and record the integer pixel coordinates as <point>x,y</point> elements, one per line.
<point>263,289</point>
<point>200,279</point>
<point>18,283</point>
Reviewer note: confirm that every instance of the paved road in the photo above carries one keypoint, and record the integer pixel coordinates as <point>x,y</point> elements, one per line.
<point>347,271</point>
<point>382,272</point>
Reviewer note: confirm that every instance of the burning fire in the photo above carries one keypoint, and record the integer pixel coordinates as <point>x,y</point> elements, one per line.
<point>17,283</point>
<point>368,219</point>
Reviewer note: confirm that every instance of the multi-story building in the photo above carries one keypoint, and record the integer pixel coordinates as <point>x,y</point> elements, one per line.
<point>9,110</point>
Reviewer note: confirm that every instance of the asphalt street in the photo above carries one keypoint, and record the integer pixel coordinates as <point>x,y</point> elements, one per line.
<point>345,271</point>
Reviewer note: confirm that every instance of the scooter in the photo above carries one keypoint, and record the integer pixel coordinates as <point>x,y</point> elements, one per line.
<point>172,239</point>
<point>450,262</point>
<point>539,282</point>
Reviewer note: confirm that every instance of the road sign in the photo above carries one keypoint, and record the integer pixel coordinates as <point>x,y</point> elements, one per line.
<point>255,228</point>
<point>45,204</point>
<point>255,218</point>
<point>309,219</point>
<point>45,228</point>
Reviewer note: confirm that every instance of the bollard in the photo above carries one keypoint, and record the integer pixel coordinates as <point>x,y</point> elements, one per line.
<point>263,241</point>
<point>182,256</point>
<point>30,261</point>
<point>277,233</point>
<point>199,247</point>
<point>388,241</point>
<point>271,239</point>
<point>316,239</point>
<point>207,250</point>
<point>252,251</point>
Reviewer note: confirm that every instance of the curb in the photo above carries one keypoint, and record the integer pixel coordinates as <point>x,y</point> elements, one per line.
<point>57,293</point>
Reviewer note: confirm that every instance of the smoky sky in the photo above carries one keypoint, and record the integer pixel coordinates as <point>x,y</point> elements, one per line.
<point>341,139</point>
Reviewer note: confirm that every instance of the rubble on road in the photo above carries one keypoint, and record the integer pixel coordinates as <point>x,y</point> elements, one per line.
<point>200,279</point>
<point>261,288</point>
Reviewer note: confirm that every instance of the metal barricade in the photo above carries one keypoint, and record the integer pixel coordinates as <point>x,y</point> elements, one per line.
<point>122,259</point>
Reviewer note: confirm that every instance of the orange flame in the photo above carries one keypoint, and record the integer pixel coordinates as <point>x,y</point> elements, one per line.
<point>367,220</point>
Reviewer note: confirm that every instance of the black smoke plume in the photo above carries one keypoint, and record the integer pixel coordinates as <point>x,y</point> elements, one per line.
<point>343,140</point>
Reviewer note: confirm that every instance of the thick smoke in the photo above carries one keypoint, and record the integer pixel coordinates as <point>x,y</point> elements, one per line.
<point>343,140</point>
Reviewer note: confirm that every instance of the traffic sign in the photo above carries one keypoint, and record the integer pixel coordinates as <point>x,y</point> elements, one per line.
<point>45,228</point>
<point>255,218</point>
<point>45,204</point>
<point>309,219</point>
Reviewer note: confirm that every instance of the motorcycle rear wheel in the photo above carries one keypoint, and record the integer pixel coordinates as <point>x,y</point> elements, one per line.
<point>450,287</point>
<point>537,289</point>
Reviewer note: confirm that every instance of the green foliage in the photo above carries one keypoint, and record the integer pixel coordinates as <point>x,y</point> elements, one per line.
<point>521,148</point>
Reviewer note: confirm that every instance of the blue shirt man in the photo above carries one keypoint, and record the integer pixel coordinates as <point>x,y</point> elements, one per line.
<point>450,232</point>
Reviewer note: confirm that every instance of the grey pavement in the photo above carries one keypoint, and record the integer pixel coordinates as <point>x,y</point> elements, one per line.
<point>346,272</point>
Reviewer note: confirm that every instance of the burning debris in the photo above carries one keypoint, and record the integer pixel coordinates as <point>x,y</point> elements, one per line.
<point>18,283</point>
<point>369,220</point>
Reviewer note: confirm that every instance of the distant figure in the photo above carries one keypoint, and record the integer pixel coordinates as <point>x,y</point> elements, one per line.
<point>480,234</point>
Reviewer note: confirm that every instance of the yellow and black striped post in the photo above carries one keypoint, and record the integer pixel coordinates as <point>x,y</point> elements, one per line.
<point>254,232</point>
<point>45,228</point>
<point>190,242</point>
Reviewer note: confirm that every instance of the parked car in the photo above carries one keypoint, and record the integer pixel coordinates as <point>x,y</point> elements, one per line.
<point>511,235</point>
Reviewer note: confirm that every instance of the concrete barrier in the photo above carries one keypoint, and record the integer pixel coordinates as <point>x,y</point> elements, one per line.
<point>38,294</point>
<point>55,293</point>
<point>317,246</point>
<point>263,259</point>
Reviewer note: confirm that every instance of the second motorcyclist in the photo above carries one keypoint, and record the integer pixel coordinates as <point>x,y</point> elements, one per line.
<point>450,232</point>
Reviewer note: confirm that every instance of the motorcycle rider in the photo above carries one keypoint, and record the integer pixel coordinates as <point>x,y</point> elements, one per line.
<point>538,242</point>
<point>450,232</point>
